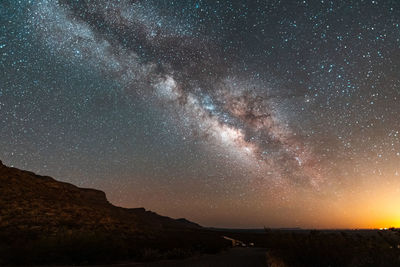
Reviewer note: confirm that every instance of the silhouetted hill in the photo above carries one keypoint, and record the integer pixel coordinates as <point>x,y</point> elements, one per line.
<point>57,217</point>
<point>40,203</point>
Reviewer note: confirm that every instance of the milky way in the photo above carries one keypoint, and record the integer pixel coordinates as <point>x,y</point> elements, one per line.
<point>277,100</point>
<point>134,46</point>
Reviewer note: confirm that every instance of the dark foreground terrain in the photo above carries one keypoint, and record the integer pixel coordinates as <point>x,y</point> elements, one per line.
<point>326,248</point>
<point>235,257</point>
<point>43,221</point>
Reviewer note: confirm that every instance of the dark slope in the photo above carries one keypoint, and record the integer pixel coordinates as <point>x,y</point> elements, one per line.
<point>32,202</point>
<point>71,224</point>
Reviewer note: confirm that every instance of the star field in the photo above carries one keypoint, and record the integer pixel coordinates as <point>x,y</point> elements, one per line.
<point>229,113</point>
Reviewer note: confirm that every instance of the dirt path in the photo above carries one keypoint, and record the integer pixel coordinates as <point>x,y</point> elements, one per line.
<point>236,257</point>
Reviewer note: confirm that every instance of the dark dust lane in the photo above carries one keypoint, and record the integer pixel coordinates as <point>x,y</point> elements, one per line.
<point>236,257</point>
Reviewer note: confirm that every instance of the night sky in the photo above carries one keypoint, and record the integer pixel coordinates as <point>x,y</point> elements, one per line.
<point>228,113</point>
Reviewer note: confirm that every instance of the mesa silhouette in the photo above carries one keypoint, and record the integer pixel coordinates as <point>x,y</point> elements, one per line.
<point>46,221</point>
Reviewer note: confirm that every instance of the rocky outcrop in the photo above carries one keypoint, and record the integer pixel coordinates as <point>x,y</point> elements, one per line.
<point>44,221</point>
<point>31,202</point>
